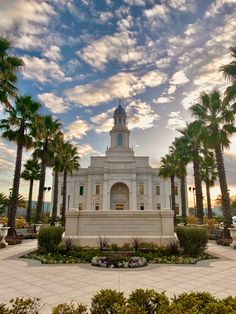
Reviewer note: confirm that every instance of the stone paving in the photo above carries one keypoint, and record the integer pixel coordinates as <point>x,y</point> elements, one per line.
<point>56,284</point>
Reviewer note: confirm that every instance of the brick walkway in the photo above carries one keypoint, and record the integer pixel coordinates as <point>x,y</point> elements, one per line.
<point>55,284</point>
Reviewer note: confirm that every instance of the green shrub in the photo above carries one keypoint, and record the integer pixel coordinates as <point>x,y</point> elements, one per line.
<point>49,238</point>
<point>194,303</point>
<point>114,247</point>
<point>21,306</point>
<point>193,240</point>
<point>147,301</point>
<point>230,302</point>
<point>70,308</point>
<point>108,301</point>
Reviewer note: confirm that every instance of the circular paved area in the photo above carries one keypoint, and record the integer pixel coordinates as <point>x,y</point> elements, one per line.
<point>56,284</point>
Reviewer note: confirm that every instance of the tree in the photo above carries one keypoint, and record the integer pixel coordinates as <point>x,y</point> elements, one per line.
<point>8,68</point>
<point>3,202</point>
<point>229,72</point>
<point>179,149</point>
<point>168,169</point>
<point>70,162</point>
<point>209,176</point>
<point>31,172</point>
<point>45,131</point>
<point>192,136</point>
<point>217,118</point>
<point>17,128</point>
<point>57,145</point>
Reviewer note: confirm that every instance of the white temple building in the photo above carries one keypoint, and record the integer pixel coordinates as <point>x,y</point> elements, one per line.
<point>119,180</point>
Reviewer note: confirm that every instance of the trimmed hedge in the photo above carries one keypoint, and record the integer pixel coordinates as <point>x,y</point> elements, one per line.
<point>192,240</point>
<point>140,301</point>
<point>49,238</point>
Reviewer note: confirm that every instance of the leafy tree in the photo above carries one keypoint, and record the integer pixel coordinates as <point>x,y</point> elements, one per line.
<point>17,128</point>
<point>179,149</point>
<point>193,139</point>
<point>8,67</point>
<point>45,131</point>
<point>57,145</point>
<point>168,169</point>
<point>209,176</point>
<point>217,118</point>
<point>3,202</point>
<point>229,72</point>
<point>70,162</point>
<point>31,173</point>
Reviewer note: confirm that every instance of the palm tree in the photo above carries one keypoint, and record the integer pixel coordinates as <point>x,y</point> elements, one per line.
<point>192,136</point>
<point>70,161</point>
<point>8,68</point>
<point>209,176</point>
<point>17,128</point>
<point>217,118</point>
<point>168,169</point>
<point>57,145</point>
<point>229,72</point>
<point>179,149</point>
<point>46,130</point>
<point>3,202</point>
<point>31,172</point>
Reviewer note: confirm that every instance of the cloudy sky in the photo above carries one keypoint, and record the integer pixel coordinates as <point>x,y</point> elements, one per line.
<point>82,55</point>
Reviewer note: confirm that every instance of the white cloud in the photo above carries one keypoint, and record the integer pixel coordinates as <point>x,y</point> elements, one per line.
<point>121,85</point>
<point>77,129</point>
<point>175,121</point>
<point>135,2</point>
<point>42,70</point>
<point>105,16</point>
<point>153,78</point>
<point>163,63</point>
<point>216,7</point>
<point>85,149</point>
<point>157,11</point>
<point>179,78</point>
<point>141,115</point>
<point>54,103</point>
<point>119,46</point>
<point>53,53</point>
<point>103,121</point>
<point>162,100</point>
<point>171,89</point>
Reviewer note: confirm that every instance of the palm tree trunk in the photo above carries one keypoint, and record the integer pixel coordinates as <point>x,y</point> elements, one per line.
<point>224,188</point>
<point>183,198</point>
<point>29,205</point>
<point>55,198</point>
<point>208,194</point>
<point>172,184</point>
<point>63,212</point>
<point>39,208</point>
<point>198,186</point>
<point>15,192</point>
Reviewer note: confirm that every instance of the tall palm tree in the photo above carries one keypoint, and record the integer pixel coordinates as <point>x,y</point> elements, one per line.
<point>57,145</point>
<point>179,149</point>
<point>8,67</point>
<point>209,176</point>
<point>229,72</point>
<point>168,169</point>
<point>30,173</point>
<point>17,128</point>
<point>217,118</point>
<point>46,130</point>
<point>192,136</point>
<point>70,161</point>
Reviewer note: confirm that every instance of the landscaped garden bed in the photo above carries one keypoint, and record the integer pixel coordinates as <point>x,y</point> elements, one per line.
<point>191,249</point>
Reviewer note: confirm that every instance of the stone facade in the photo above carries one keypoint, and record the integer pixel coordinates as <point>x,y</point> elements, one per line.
<point>117,185</point>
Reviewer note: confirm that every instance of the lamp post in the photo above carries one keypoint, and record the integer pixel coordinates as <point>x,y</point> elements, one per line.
<point>45,189</point>
<point>9,203</point>
<point>68,202</point>
<point>170,202</point>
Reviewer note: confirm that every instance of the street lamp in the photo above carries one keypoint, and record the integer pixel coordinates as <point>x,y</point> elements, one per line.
<point>9,202</point>
<point>45,189</point>
<point>170,202</point>
<point>193,189</point>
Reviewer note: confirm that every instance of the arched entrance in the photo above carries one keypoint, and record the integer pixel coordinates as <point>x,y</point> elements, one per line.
<point>119,196</point>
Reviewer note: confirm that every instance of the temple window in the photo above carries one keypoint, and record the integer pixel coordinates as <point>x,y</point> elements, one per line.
<point>81,190</point>
<point>157,189</point>
<point>158,206</point>
<point>141,189</point>
<point>141,206</point>
<point>119,139</point>
<point>96,206</point>
<point>81,206</point>
<point>97,189</point>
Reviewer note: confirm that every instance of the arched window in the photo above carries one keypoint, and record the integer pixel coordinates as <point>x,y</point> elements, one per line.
<point>119,139</point>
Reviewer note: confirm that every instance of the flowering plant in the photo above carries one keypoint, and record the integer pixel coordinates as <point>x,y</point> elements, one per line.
<point>119,261</point>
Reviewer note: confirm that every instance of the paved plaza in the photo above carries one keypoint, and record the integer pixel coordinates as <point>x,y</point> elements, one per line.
<point>56,284</point>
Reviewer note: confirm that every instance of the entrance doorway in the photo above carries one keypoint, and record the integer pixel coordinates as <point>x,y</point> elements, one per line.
<point>119,196</point>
